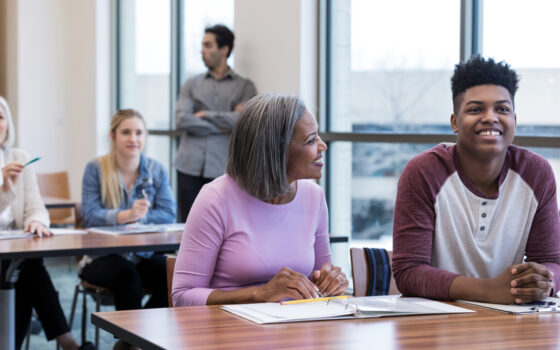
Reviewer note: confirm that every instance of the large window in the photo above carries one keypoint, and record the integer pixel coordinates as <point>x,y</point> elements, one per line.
<point>529,47</point>
<point>387,93</point>
<point>144,59</point>
<point>394,73</point>
<point>158,48</point>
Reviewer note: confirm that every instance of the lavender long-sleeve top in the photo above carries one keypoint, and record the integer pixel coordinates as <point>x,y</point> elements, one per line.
<point>233,240</point>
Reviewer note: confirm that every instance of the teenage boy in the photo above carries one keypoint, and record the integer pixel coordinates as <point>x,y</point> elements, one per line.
<point>478,220</point>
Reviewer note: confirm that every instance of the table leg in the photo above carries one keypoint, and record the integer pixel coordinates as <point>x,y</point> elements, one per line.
<point>7,318</point>
<point>8,276</point>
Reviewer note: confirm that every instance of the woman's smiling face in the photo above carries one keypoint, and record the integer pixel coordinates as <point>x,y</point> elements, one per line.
<point>305,152</point>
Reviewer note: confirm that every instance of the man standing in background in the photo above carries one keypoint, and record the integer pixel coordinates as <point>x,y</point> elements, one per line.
<point>207,108</point>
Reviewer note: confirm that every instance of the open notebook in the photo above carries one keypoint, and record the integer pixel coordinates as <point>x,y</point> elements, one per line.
<point>361,307</point>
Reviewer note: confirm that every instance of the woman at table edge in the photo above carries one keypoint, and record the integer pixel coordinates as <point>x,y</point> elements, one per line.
<point>259,233</point>
<point>21,207</point>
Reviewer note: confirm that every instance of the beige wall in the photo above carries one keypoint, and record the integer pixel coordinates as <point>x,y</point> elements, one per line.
<point>9,48</point>
<point>276,46</point>
<point>58,84</point>
<point>3,48</point>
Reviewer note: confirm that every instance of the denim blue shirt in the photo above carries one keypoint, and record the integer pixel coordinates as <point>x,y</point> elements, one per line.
<point>152,179</point>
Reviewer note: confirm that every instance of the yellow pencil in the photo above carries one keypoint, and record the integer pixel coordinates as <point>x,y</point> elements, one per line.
<point>300,301</point>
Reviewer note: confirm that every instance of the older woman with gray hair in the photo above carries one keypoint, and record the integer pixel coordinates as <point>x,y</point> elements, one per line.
<point>259,233</point>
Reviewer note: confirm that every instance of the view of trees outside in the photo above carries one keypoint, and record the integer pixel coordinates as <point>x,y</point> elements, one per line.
<point>391,74</point>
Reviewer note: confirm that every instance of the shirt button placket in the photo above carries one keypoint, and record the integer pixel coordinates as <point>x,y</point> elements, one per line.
<point>483,226</point>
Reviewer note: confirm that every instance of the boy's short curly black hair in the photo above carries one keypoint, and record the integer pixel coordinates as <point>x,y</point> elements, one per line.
<point>480,71</point>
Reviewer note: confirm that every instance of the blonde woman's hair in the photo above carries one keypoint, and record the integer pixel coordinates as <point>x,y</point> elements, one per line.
<point>10,132</point>
<point>111,188</point>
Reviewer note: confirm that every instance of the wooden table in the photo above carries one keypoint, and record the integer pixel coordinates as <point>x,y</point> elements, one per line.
<point>67,245</point>
<point>90,243</point>
<point>212,328</point>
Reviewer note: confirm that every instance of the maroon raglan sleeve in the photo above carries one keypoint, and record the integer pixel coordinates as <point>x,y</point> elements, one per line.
<point>414,224</point>
<point>543,243</point>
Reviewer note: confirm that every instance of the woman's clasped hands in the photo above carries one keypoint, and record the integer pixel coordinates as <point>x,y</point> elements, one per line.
<point>330,280</point>
<point>289,284</point>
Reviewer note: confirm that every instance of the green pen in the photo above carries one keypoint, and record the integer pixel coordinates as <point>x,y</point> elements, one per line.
<point>32,161</point>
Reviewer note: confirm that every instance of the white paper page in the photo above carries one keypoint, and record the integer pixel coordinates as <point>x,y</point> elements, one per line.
<point>276,312</point>
<point>67,231</point>
<point>123,229</point>
<point>311,310</point>
<point>379,304</point>
<point>517,308</point>
<point>394,304</point>
<point>173,227</point>
<point>442,307</point>
<point>10,234</point>
<point>136,228</point>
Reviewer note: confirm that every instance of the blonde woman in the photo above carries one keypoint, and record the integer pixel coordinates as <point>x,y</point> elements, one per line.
<point>21,207</point>
<point>125,186</point>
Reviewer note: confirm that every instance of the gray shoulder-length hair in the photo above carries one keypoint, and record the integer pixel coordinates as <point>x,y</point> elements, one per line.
<point>10,131</point>
<point>259,145</point>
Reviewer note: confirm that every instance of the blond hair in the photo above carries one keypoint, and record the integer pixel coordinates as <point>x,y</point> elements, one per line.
<point>10,132</point>
<point>111,188</point>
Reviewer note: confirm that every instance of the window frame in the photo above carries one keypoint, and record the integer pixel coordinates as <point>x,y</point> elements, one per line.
<point>177,58</point>
<point>470,44</point>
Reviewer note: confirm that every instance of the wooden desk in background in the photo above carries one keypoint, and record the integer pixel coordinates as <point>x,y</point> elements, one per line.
<point>67,245</point>
<point>57,203</point>
<point>209,327</point>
